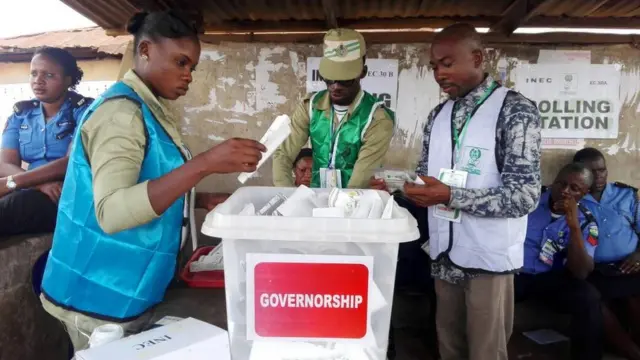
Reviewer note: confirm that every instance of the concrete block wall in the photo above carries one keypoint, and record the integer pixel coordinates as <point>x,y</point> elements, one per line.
<point>26,330</point>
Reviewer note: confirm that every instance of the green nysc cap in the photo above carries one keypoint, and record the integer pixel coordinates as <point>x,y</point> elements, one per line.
<point>343,53</point>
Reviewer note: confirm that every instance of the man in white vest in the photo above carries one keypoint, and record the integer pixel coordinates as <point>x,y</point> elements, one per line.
<point>481,168</point>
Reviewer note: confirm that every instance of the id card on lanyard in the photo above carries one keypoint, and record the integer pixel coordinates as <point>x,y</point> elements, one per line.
<point>330,177</point>
<point>458,177</point>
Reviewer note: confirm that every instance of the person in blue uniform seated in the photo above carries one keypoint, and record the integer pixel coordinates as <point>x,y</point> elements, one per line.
<point>617,274</point>
<point>128,194</point>
<point>562,236</point>
<point>39,133</point>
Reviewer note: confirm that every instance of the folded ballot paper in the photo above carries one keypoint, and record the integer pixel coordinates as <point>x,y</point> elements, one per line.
<point>275,135</point>
<point>395,179</point>
<point>338,203</point>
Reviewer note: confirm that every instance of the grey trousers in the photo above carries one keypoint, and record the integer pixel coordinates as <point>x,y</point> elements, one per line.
<point>474,319</point>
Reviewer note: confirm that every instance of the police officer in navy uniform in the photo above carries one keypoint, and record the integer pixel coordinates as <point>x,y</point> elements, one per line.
<point>38,133</point>
<point>617,258</point>
<point>562,236</point>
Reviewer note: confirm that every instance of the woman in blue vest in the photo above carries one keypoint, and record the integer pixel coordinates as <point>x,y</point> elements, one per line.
<point>127,193</point>
<point>39,133</point>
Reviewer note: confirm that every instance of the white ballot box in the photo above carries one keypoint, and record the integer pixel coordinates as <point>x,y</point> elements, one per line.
<point>302,287</point>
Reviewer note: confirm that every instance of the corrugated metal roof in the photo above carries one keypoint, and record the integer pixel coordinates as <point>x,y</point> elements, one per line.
<point>264,15</point>
<point>93,39</point>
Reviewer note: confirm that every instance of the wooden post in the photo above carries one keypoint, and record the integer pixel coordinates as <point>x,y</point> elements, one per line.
<point>127,61</point>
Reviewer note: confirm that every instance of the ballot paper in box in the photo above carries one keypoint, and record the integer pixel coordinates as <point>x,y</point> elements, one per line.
<point>309,273</point>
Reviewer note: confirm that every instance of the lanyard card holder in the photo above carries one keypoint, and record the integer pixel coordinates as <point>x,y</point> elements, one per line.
<point>330,178</point>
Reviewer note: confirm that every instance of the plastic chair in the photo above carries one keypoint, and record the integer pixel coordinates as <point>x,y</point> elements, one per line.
<point>37,272</point>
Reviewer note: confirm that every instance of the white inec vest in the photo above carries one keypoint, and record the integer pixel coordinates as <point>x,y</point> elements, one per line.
<point>484,243</point>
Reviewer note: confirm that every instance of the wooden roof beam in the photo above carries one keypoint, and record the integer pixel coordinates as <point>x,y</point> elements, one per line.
<point>518,13</point>
<point>407,37</point>
<point>585,22</point>
<point>596,7</point>
<point>293,26</point>
<point>330,12</point>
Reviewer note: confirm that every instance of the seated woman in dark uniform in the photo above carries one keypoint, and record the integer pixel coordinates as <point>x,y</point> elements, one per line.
<point>38,133</point>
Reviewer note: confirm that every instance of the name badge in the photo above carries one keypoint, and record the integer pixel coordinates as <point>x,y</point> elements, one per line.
<point>548,252</point>
<point>330,178</point>
<point>455,178</point>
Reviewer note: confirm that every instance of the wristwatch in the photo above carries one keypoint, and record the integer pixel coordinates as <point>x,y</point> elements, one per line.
<point>11,185</point>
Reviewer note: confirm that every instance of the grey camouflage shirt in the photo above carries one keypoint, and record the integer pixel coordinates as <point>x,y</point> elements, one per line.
<point>518,159</point>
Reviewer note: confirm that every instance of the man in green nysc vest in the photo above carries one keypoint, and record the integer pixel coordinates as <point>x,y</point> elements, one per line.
<point>350,129</point>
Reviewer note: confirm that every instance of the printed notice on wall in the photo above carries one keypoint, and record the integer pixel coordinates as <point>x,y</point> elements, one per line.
<point>381,80</point>
<point>576,100</point>
<point>564,57</point>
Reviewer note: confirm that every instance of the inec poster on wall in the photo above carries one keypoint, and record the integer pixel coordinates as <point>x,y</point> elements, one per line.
<point>381,81</point>
<point>574,100</point>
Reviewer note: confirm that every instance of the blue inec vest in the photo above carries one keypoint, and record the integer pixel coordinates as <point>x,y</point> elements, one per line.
<point>113,276</point>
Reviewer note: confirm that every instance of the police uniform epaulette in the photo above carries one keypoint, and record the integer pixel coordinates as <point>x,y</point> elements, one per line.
<point>625,186</point>
<point>78,100</point>
<point>25,105</point>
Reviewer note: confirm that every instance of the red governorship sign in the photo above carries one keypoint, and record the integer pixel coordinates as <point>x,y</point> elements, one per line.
<point>313,300</point>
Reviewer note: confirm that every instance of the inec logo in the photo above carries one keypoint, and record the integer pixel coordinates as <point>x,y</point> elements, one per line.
<point>472,163</point>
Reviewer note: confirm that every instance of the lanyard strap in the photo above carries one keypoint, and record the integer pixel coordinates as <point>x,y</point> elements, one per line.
<point>458,138</point>
<point>333,137</point>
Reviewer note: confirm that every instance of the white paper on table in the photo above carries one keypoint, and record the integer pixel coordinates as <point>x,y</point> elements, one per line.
<point>545,336</point>
<point>275,135</point>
